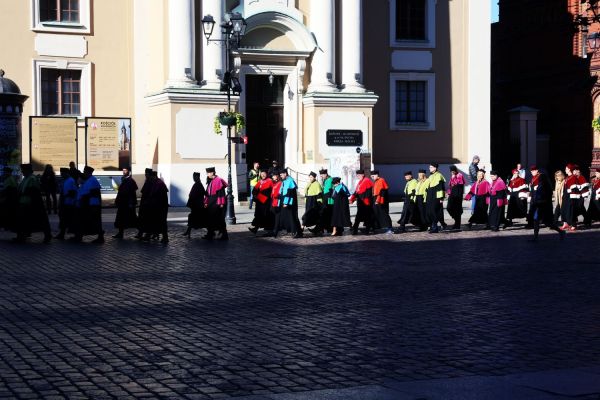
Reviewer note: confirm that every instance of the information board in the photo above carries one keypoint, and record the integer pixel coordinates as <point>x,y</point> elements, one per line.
<point>53,140</point>
<point>344,137</point>
<point>108,143</point>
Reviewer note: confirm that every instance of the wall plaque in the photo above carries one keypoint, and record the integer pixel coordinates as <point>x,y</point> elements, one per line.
<point>344,137</point>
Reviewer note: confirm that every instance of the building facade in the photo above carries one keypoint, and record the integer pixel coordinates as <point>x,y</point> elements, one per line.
<point>411,76</point>
<point>543,71</point>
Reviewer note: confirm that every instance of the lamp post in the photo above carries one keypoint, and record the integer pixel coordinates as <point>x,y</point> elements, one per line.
<point>233,28</point>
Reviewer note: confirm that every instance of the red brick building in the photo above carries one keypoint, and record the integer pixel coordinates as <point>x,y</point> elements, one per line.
<point>540,60</point>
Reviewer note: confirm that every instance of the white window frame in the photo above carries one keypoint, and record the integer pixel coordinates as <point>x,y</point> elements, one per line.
<point>85,85</point>
<point>83,26</point>
<point>429,42</point>
<point>429,125</point>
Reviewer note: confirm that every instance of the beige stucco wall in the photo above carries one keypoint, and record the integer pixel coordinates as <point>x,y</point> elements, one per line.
<point>109,49</point>
<point>447,143</point>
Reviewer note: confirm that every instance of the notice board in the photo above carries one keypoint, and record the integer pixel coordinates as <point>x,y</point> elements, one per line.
<point>108,143</point>
<point>53,140</point>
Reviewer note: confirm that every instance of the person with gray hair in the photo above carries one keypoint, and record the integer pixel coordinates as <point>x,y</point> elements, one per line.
<point>473,168</point>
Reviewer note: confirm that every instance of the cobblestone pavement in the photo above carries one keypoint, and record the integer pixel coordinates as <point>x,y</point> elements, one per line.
<point>261,316</point>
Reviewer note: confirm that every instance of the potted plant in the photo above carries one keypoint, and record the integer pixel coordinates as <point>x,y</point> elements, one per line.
<point>229,118</point>
<point>596,124</point>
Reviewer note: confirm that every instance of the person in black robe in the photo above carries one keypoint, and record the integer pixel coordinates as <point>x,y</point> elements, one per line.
<point>480,191</point>
<point>88,211</point>
<point>421,208</point>
<point>363,195</point>
<point>263,217</point>
<point>216,206</point>
<point>410,213</point>
<point>67,202</point>
<point>31,214</point>
<point>327,209</point>
<point>288,202</point>
<point>314,203</point>
<point>197,215</point>
<point>49,187</point>
<point>144,214</point>
<point>158,208</point>
<point>497,202</point>
<point>126,203</point>
<point>456,191</point>
<point>9,200</point>
<point>340,215</point>
<point>541,203</point>
<point>593,211</point>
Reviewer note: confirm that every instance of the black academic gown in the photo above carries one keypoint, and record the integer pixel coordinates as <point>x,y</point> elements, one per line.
<point>197,215</point>
<point>454,206</point>
<point>312,212</point>
<point>263,216</point>
<point>340,215</point>
<point>126,203</point>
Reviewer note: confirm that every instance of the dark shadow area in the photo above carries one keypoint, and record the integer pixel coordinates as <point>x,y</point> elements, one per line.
<point>534,64</point>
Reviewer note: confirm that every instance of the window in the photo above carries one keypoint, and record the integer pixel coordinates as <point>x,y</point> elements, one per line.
<point>412,101</point>
<point>59,11</point>
<point>410,20</point>
<point>61,92</point>
<point>412,23</point>
<point>62,87</point>
<point>62,16</point>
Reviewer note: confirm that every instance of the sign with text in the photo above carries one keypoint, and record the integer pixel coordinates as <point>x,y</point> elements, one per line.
<point>53,140</point>
<point>344,137</point>
<point>108,143</point>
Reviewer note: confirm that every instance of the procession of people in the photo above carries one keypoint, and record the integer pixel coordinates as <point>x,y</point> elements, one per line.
<point>494,203</point>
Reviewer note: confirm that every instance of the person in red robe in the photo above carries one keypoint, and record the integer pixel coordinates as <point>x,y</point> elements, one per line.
<point>381,203</point>
<point>570,196</point>
<point>584,191</point>
<point>593,211</point>
<point>497,201</point>
<point>518,192</point>
<point>261,193</point>
<point>275,205</point>
<point>362,196</point>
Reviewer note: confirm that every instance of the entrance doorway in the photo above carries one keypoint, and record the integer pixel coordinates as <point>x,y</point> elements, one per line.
<point>264,120</point>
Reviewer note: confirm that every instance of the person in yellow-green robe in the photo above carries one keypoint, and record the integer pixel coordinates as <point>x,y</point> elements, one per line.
<point>313,195</point>
<point>420,195</point>
<point>410,212</point>
<point>31,214</point>
<point>434,199</point>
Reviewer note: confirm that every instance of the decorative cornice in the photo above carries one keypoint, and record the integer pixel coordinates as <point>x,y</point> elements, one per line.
<point>189,96</point>
<point>340,99</point>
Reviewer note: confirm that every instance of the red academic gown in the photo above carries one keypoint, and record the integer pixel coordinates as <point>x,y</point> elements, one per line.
<point>518,192</point>
<point>362,195</point>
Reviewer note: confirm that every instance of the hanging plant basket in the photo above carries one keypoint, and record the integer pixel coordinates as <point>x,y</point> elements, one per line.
<point>229,119</point>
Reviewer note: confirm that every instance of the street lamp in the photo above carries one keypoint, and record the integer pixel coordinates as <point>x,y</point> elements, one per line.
<point>233,28</point>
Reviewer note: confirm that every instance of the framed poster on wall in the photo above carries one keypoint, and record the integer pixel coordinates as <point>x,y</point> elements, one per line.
<point>52,140</point>
<point>108,143</point>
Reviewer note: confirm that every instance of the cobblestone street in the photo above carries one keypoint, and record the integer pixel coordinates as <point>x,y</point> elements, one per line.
<point>266,318</point>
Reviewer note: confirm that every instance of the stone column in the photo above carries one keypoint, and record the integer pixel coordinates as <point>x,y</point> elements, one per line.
<point>352,44</point>
<point>523,130</point>
<point>213,65</point>
<point>181,43</point>
<point>322,24</point>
